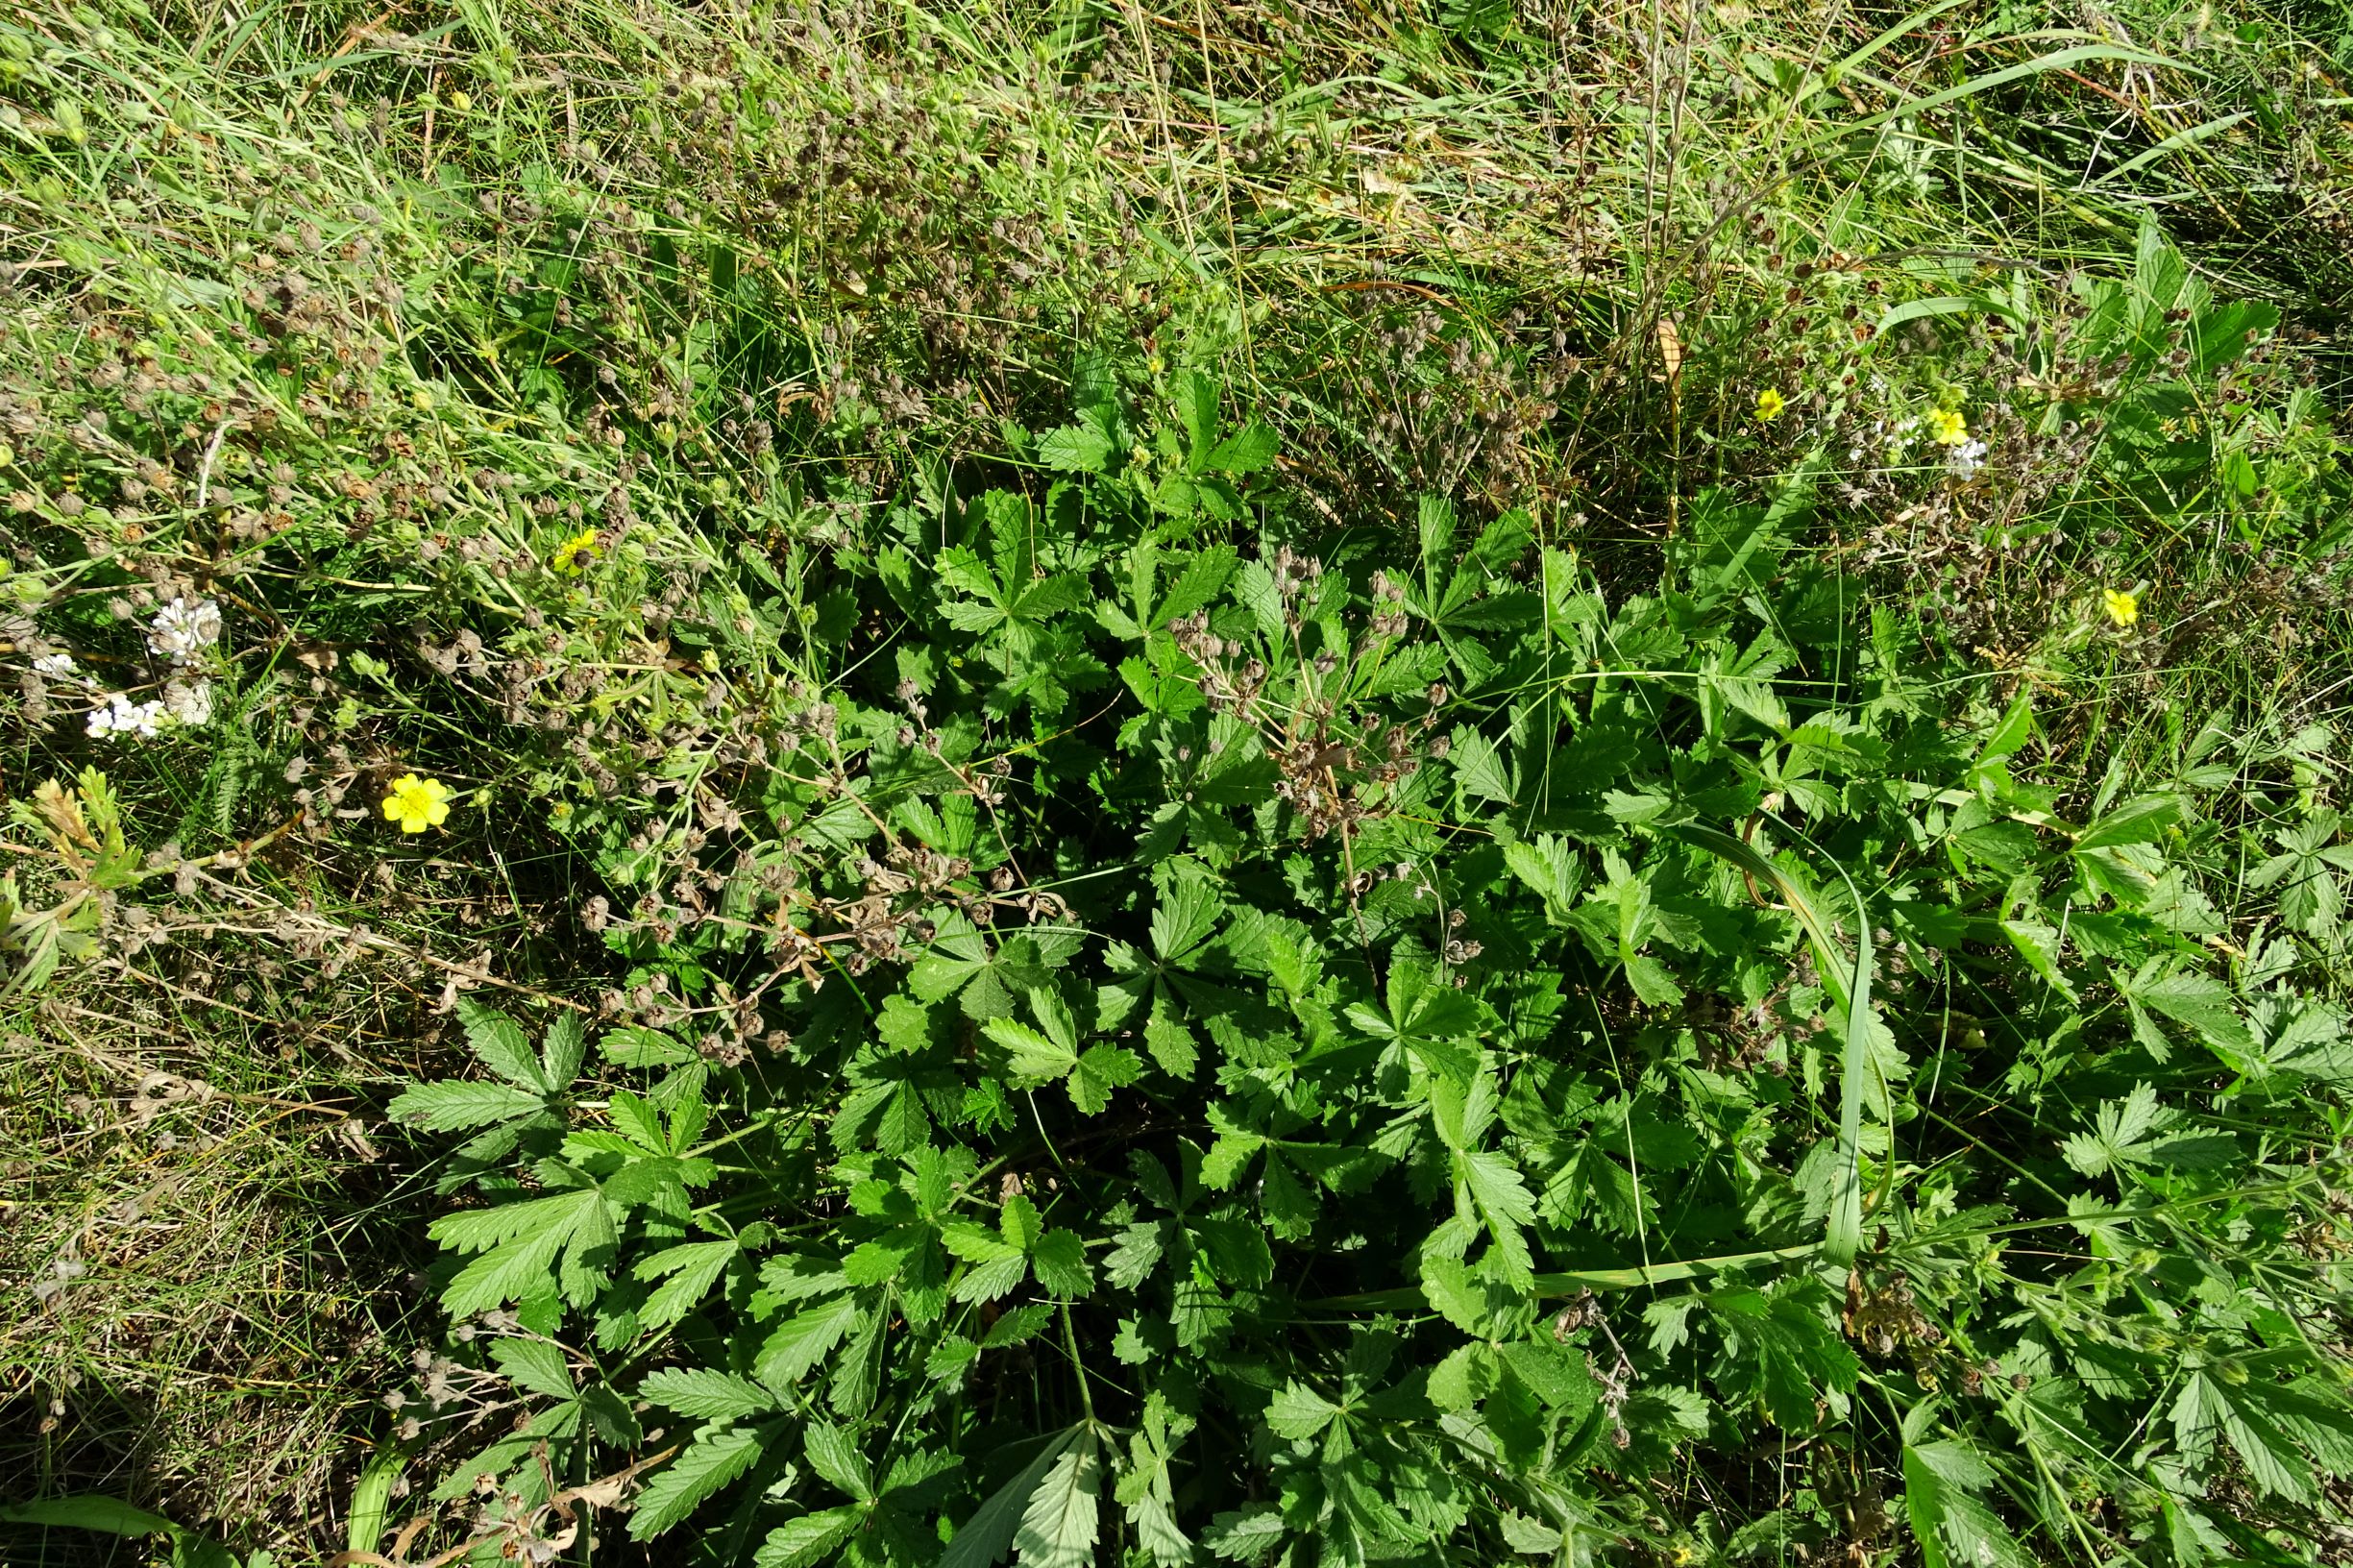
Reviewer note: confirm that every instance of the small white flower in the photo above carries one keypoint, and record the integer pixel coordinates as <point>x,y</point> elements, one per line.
<point>1965,459</point>
<point>189,701</point>
<point>118,715</point>
<point>56,666</point>
<point>184,628</point>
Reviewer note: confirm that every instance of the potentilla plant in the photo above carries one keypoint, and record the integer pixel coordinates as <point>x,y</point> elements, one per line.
<point>1205,1041</point>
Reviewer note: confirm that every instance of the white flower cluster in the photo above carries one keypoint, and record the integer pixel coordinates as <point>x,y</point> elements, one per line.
<point>187,703</point>
<point>1894,437</point>
<point>191,701</point>
<point>182,631</point>
<point>1967,458</point>
<point>117,715</point>
<point>185,629</point>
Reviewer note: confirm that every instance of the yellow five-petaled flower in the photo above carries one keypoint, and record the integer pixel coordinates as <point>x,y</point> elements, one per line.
<point>1946,429</point>
<point>567,556</point>
<point>417,803</point>
<point>1770,403</point>
<point>2122,605</point>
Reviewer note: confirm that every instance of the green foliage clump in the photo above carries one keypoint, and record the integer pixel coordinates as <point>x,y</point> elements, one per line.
<point>1430,790</point>
<point>1285,1058</point>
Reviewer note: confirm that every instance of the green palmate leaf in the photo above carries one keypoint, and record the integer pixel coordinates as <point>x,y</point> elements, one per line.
<point>1953,1527</point>
<point>1064,1514</point>
<point>687,1274</point>
<point>811,1539</point>
<point>562,1049</point>
<point>535,1364</point>
<point>500,1044</point>
<point>1060,1263</point>
<point>1030,1054</point>
<point>2304,1038</point>
<point>711,1461</point>
<point>2304,873</point>
<point>1431,1021</point>
<point>1247,1534</point>
<point>1299,1413</point>
<point>2244,1415</point>
<point>1146,1490</point>
<point>833,1454</point>
<point>1042,1055</point>
<point>1083,448</point>
<point>1487,1180</point>
<point>800,1341</point>
<point>705,1394</point>
<point>1789,1356</point>
<point>1100,1070</point>
<point>455,1107</point>
<point>997,1266</point>
<point>525,1241</point>
<point>2203,1003</point>
<point>989,1534</point>
<point>2137,1131</point>
<point>2039,945</point>
<point>1551,867</point>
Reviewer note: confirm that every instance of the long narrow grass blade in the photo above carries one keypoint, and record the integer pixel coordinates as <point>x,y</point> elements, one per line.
<point>1570,1282</point>
<point>371,1498</point>
<point>2174,143</point>
<point>2056,59</point>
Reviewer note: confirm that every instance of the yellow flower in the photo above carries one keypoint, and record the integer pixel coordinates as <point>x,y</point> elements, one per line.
<point>417,803</point>
<point>1770,403</point>
<point>2122,605</point>
<point>1946,429</point>
<point>567,556</point>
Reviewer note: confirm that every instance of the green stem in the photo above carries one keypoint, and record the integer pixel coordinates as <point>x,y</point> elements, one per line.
<point>1069,1340</point>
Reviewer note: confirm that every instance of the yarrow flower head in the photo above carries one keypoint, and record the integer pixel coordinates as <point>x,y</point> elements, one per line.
<point>1770,403</point>
<point>1946,427</point>
<point>54,666</point>
<point>417,803</point>
<point>1967,458</point>
<point>2122,605</point>
<point>189,701</point>
<point>117,715</point>
<point>567,555</point>
<point>185,629</point>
